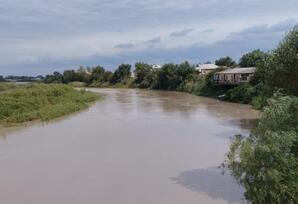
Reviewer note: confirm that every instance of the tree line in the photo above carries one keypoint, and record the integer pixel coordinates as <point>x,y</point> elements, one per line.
<point>92,76</point>
<point>176,77</point>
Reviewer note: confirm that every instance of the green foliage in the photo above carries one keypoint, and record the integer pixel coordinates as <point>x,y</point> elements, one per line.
<point>7,86</point>
<point>70,76</point>
<point>171,76</point>
<point>122,74</point>
<point>90,76</point>
<point>226,62</point>
<point>266,162</point>
<point>252,59</point>
<point>241,94</point>
<point>77,84</point>
<point>41,102</point>
<point>55,78</point>
<point>167,79</point>
<point>98,74</point>
<point>258,102</point>
<point>281,69</point>
<point>143,75</point>
<point>193,84</point>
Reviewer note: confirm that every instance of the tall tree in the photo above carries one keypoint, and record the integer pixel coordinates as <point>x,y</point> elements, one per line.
<point>97,74</point>
<point>281,68</point>
<point>225,61</point>
<point>69,76</point>
<point>122,74</point>
<point>56,77</point>
<point>143,75</point>
<point>252,59</point>
<point>167,77</point>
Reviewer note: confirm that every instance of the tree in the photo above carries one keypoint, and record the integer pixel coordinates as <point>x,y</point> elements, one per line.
<point>1,78</point>
<point>108,75</point>
<point>69,76</point>
<point>266,162</point>
<point>143,75</point>
<point>225,62</point>
<point>167,78</point>
<point>122,74</point>
<point>252,59</point>
<point>83,75</point>
<point>56,77</point>
<point>142,70</point>
<point>97,74</point>
<point>184,70</point>
<point>280,70</point>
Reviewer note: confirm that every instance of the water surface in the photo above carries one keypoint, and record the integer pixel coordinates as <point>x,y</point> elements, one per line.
<point>133,147</point>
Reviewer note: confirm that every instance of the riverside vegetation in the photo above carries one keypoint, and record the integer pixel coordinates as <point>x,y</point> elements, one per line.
<point>22,103</point>
<point>275,70</point>
<point>266,162</point>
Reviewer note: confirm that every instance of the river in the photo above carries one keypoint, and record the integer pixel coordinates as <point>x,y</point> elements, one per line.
<point>132,147</point>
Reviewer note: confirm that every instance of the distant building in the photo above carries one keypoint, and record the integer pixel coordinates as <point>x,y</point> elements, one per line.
<point>234,76</point>
<point>206,68</point>
<point>156,66</point>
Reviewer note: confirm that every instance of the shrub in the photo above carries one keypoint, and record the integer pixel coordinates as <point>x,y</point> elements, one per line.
<point>44,102</point>
<point>243,94</point>
<point>266,162</point>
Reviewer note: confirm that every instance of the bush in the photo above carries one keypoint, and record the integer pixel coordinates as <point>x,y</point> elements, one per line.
<point>42,102</point>
<point>258,102</point>
<point>242,94</point>
<point>266,162</point>
<point>7,86</point>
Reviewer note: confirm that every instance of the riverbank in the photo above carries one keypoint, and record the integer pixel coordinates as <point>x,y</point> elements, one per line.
<point>41,102</point>
<point>7,87</point>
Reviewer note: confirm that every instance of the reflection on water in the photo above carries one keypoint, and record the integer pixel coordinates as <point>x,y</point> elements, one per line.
<point>126,149</point>
<point>212,182</point>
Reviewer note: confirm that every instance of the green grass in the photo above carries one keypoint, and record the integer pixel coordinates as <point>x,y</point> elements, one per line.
<point>42,102</point>
<point>6,86</point>
<point>77,84</point>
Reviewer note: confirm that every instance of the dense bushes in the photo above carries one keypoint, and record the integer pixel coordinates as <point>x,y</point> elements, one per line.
<point>226,62</point>
<point>280,69</point>
<point>169,77</point>
<point>44,102</point>
<point>266,162</point>
<point>93,77</point>
<point>241,94</point>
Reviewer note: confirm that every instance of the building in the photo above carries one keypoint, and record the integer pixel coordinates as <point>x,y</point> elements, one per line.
<point>156,66</point>
<point>206,68</point>
<point>234,76</point>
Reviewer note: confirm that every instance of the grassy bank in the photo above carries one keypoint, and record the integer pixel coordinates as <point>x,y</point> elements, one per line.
<point>41,102</point>
<point>7,86</point>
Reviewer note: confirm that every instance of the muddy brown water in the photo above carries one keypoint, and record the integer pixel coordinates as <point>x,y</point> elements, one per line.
<point>132,147</point>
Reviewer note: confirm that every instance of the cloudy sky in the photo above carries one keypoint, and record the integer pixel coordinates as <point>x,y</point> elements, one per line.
<point>41,36</point>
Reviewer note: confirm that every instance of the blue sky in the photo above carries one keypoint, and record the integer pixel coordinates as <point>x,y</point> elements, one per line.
<point>41,36</point>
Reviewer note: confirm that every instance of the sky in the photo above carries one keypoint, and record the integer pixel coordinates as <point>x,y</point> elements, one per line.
<point>42,36</point>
